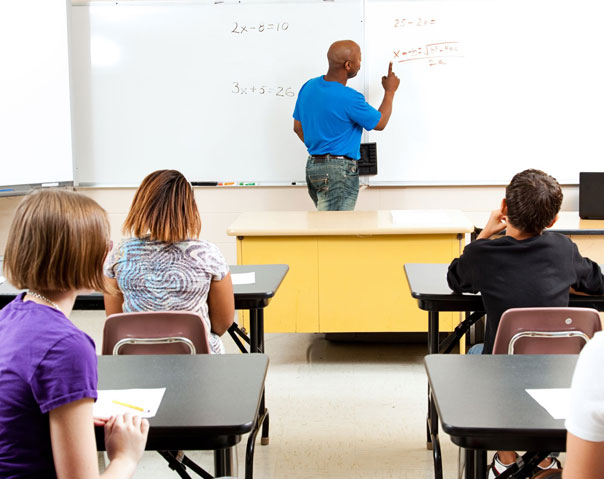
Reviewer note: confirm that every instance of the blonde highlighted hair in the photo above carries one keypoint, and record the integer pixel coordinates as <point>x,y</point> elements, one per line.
<point>164,208</point>
<point>57,241</point>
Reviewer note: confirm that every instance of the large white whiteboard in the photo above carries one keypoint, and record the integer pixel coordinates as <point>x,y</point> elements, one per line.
<point>202,87</point>
<point>488,87</point>
<point>35,117</point>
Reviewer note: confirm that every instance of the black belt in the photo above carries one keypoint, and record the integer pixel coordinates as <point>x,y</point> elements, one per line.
<point>322,158</point>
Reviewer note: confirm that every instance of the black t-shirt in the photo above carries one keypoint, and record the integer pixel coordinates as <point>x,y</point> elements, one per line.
<point>534,272</point>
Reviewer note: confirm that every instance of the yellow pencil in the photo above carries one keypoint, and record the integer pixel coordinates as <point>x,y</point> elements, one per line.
<point>128,405</point>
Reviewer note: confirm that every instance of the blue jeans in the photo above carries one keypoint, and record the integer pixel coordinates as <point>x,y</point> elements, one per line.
<point>476,349</point>
<point>333,184</point>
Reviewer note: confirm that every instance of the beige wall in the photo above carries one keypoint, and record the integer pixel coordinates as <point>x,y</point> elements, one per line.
<point>219,206</point>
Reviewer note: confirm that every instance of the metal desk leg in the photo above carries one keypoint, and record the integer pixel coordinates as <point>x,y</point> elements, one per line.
<point>469,464</point>
<point>433,330</point>
<point>265,423</point>
<point>476,464</point>
<point>480,463</point>
<point>254,331</point>
<point>222,462</point>
<point>251,443</point>
<point>257,346</point>
<point>433,343</point>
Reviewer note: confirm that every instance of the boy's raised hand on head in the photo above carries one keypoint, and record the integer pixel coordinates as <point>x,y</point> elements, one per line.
<point>495,224</point>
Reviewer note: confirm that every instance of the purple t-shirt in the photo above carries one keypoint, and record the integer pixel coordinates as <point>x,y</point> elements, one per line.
<point>45,362</point>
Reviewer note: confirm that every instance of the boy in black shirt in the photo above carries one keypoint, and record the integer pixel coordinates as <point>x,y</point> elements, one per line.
<point>526,267</point>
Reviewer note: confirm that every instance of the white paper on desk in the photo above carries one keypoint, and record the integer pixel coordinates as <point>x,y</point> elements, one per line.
<point>2,279</point>
<point>555,401</point>
<point>119,401</point>
<point>420,217</point>
<point>244,278</point>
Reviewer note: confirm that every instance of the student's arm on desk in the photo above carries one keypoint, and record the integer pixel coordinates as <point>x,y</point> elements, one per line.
<point>461,277</point>
<point>221,305</point>
<point>589,278</point>
<point>74,445</point>
<point>113,301</point>
<point>298,130</point>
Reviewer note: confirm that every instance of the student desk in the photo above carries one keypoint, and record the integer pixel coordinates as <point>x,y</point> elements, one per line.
<point>588,234</point>
<point>252,297</point>
<point>483,404</point>
<point>428,285</point>
<point>345,265</point>
<point>209,403</point>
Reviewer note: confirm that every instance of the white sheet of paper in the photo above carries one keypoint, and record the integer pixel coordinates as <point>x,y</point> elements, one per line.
<point>420,217</point>
<point>555,401</point>
<point>140,402</point>
<point>244,278</point>
<point>2,279</point>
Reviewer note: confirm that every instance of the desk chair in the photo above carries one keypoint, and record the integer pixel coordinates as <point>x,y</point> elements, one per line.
<point>155,332</point>
<point>543,331</point>
<point>159,332</point>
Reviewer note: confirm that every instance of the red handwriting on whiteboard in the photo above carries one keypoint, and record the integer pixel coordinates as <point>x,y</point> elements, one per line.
<point>433,53</point>
<point>239,28</point>
<point>413,22</point>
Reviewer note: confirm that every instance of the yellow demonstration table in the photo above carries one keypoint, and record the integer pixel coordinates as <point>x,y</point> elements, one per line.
<point>346,267</point>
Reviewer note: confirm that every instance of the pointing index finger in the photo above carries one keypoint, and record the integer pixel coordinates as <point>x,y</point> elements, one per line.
<point>390,68</point>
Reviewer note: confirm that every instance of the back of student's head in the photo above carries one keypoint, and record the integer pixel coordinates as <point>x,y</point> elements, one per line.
<point>164,208</point>
<point>533,199</point>
<point>57,241</point>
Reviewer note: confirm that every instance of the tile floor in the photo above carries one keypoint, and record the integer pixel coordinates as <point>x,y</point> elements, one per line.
<point>337,409</point>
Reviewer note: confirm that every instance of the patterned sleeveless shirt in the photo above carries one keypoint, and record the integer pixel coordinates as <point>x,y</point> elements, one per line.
<point>158,276</point>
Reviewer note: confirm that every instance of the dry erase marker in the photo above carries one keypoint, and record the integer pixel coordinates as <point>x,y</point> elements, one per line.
<point>137,408</point>
<point>226,183</point>
<point>243,183</point>
<point>204,183</point>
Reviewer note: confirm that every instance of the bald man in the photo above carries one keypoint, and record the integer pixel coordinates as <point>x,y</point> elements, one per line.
<point>329,118</point>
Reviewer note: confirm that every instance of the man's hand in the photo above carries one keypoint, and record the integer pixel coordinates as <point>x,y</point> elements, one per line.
<point>496,224</point>
<point>391,81</point>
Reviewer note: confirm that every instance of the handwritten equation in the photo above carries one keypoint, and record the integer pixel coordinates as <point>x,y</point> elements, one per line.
<point>281,91</point>
<point>414,22</point>
<point>433,53</point>
<point>239,28</point>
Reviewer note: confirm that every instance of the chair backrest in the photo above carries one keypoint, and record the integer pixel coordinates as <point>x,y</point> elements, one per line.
<point>155,332</point>
<point>545,330</point>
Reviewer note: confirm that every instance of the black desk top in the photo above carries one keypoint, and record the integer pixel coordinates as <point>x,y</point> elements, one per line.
<point>482,402</point>
<point>210,400</point>
<point>428,284</point>
<point>247,296</point>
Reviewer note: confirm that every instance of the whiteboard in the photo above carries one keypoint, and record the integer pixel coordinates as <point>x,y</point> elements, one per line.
<point>488,88</point>
<point>207,88</point>
<point>35,117</point>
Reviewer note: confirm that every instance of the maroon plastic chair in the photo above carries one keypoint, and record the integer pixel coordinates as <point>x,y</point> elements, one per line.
<point>159,332</point>
<point>155,332</point>
<point>546,330</point>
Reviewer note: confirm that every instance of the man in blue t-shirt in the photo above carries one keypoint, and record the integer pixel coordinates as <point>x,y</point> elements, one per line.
<point>329,118</point>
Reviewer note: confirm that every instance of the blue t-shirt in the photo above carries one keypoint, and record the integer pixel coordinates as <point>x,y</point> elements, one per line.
<point>45,362</point>
<point>333,117</point>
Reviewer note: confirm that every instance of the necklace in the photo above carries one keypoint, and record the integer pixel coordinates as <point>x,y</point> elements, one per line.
<point>43,298</point>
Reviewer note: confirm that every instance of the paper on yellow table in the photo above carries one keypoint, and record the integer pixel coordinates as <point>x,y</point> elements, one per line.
<point>555,401</point>
<point>140,402</point>
<point>244,278</point>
